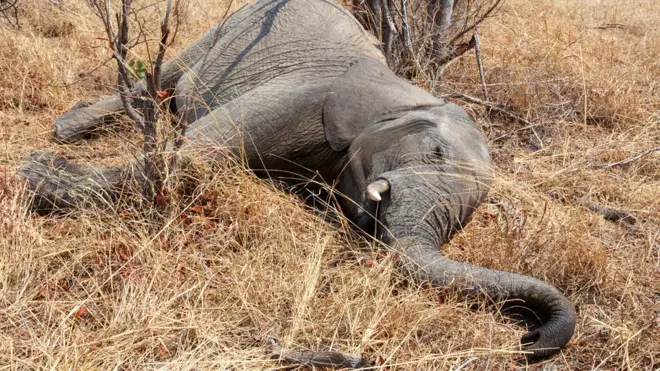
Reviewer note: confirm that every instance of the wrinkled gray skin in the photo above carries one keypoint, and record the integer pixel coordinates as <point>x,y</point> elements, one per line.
<point>301,87</point>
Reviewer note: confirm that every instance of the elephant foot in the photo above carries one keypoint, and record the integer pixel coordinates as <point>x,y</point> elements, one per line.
<point>84,119</point>
<point>58,185</point>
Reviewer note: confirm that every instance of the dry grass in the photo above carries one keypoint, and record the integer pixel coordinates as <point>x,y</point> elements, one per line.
<point>201,286</point>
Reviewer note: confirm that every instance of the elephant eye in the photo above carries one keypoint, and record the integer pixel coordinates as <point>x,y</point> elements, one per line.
<point>436,154</point>
<point>434,149</point>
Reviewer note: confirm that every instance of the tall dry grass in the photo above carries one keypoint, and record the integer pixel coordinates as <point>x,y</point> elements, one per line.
<point>203,284</point>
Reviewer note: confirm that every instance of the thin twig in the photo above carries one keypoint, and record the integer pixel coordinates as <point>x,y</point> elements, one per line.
<point>610,25</point>
<point>492,105</point>
<point>480,66</point>
<point>476,22</point>
<point>219,29</point>
<point>628,160</point>
<point>498,107</point>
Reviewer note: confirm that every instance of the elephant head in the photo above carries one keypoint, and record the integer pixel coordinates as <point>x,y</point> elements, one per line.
<point>415,174</point>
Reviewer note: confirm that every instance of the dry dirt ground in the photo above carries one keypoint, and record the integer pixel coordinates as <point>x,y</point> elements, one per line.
<point>202,286</point>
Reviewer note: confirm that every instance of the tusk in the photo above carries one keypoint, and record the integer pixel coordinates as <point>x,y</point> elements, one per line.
<point>375,189</point>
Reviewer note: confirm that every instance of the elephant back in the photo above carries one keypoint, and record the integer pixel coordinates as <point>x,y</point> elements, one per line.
<point>301,40</point>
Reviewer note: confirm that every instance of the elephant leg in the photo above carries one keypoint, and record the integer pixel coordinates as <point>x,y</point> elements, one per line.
<point>57,184</point>
<point>270,126</point>
<point>82,121</point>
<point>265,127</point>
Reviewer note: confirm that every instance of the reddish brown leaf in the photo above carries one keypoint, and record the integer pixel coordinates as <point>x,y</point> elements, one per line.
<point>161,199</point>
<point>82,311</point>
<point>197,210</point>
<point>125,255</point>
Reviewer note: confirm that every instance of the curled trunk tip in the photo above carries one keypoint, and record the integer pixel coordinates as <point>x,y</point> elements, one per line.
<point>554,314</point>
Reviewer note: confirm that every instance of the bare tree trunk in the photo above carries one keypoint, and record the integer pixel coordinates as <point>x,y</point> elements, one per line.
<point>405,29</point>
<point>388,27</point>
<point>446,11</point>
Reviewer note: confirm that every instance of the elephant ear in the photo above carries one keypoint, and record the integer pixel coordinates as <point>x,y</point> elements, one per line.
<point>366,91</point>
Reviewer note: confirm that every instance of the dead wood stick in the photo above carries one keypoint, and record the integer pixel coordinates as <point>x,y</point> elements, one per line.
<point>480,66</point>
<point>318,359</point>
<point>628,160</point>
<point>610,214</point>
<point>492,105</point>
<point>498,107</point>
<point>610,25</point>
<point>388,35</point>
<point>405,29</point>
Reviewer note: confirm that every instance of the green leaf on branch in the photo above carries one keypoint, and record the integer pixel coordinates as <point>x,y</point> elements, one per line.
<point>137,69</point>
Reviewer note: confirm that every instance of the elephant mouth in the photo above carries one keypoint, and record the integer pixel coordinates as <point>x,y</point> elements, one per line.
<point>369,213</point>
<point>373,215</point>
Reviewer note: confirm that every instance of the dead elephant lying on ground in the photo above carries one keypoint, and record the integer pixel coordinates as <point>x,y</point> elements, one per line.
<point>298,86</point>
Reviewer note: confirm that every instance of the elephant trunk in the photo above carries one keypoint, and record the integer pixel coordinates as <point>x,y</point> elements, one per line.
<point>550,308</point>
<point>418,219</point>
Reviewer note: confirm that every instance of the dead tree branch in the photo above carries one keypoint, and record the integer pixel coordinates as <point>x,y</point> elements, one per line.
<point>9,6</point>
<point>317,359</point>
<point>405,28</point>
<point>612,215</point>
<point>491,105</point>
<point>428,30</point>
<point>628,160</point>
<point>480,66</point>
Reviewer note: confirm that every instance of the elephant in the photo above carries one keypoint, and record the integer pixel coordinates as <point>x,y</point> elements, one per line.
<point>299,87</point>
